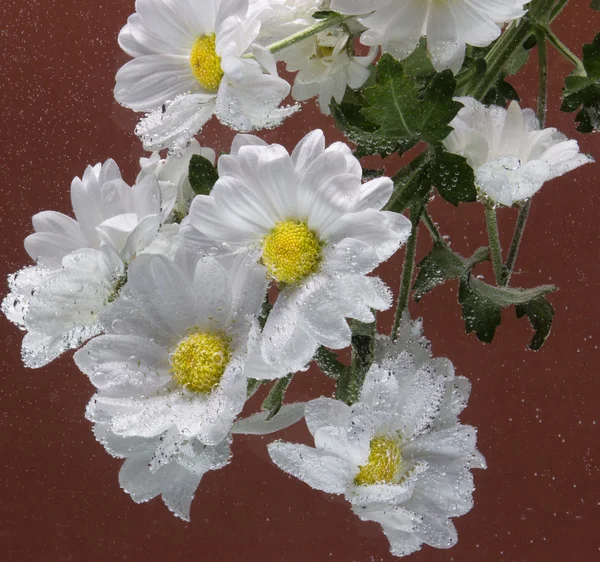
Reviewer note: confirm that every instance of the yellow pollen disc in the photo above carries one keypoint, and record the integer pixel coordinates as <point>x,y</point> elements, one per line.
<point>205,63</point>
<point>291,252</point>
<point>199,361</point>
<point>384,462</point>
<point>324,51</point>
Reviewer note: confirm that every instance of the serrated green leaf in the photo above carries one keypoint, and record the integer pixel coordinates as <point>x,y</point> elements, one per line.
<point>442,264</point>
<point>453,177</point>
<point>418,63</point>
<point>362,133</point>
<point>482,305</point>
<point>202,175</point>
<point>401,111</point>
<point>540,313</point>
<point>480,314</point>
<point>501,93</point>
<point>583,92</point>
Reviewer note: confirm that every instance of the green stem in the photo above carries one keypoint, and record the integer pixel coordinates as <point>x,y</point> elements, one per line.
<point>494,243</point>
<point>351,380</point>
<point>435,233</point>
<point>542,102</point>
<point>406,183</point>
<point>558,9</point>
<point>564,51</point>
<point>407,276</point>
<point>308,32</point>
<point>516,241</point>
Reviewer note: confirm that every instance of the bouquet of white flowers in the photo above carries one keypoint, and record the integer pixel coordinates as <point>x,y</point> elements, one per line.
<point>215,274</point>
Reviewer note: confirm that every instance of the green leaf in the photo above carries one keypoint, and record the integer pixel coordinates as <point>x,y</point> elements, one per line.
<point>274,400</point>
<point>482,305</point>
<point>401,111</point>
<point>540,313</point>
<point>595,5</point>
<point>412,183</point>
<point>453,177</point>
<point>583,92</point>
<point>418,63</point>
<point>328,363</point>
<point>362,133</point>
<point>442,264</point>
<point>501,93</point>
<point>324,14</point>
<point>481,315</point>
<point>202,175</point>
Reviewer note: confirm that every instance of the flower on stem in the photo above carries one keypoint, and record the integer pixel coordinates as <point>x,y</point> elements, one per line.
<point>318,230</point>
<point>325,67</point>
<point>82,262</point>
<point>399,454</point>
<point>512,158</point>
<point>189,64</point>
<point>173,468</point>
<point>448,25</point>
<point>178,348</point>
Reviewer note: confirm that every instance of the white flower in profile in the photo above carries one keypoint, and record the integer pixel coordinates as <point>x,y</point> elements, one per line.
<point>189,64</point>
<point>325,67</point>
<point>398,455</point>
<point>449,25</point>
<point>81,262</point>
<point>178,348</point>
<point>172,467</point>
<point>172,174</point>
<point>318,230</point>
<point>511,156</point>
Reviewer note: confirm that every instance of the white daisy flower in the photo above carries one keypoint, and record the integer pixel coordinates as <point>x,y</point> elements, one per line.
<point>172,175</point>
<point>449,25</point>
<point>81,262</point>
<point>326,67</point>
<point>315,227</point>
<point>178,348</point>
<point>168,466</point>
<point>511,156</point>
<point>399,455</point>
<point>189,64</point>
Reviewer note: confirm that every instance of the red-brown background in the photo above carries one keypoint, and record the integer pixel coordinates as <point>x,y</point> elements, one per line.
<point>537,413</point>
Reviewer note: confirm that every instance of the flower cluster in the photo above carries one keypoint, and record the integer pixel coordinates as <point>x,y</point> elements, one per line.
<point>209,277</point>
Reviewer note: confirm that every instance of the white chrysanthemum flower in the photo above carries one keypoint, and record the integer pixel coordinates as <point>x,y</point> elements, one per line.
<point>399,455</point>
<point>287,17</point>
<point>449,25</point>
<point>172,467</point>
<point>178,348</point>
<point>81,262</point>
<point>172,174</point>
<point>511,156</point>
<point>325,67</point>
<point>315,227</point>
<point>189,64</point>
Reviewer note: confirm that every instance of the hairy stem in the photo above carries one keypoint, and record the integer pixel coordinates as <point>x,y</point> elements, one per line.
<point>564,51</point>
<point>351,380</point>
<point>407,276</point>
<point>308,32</point>
<point>494,243</point>
<point>435,233</point>
<point>516,240</point>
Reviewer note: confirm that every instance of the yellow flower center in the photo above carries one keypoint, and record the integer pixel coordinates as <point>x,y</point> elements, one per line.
<point>324,51</point>
<point>385,458</point>
<point>205,63</point>
<point>291,252</point>
<point>199,361</point>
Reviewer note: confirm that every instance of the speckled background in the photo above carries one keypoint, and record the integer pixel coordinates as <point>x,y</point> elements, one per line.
<point>537,413</point>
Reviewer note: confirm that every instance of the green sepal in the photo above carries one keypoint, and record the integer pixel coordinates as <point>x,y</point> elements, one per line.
<point>202,175</point>
<point>583,92</point>
<point>453,177</point>
<point>328,363</point>
<point>274,400</point>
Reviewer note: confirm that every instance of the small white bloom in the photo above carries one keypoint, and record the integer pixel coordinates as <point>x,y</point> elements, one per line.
<point>511,156</point>
<point>189,64</point>
<point>178,348</point>
<point>287,17</point>
<point>172,174</point>
<point>81,262</point>
<point>398,455</point>
<point>172,467</point>
<point>315,227</point>
<point>326,67</point>
<point>449,25</point>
